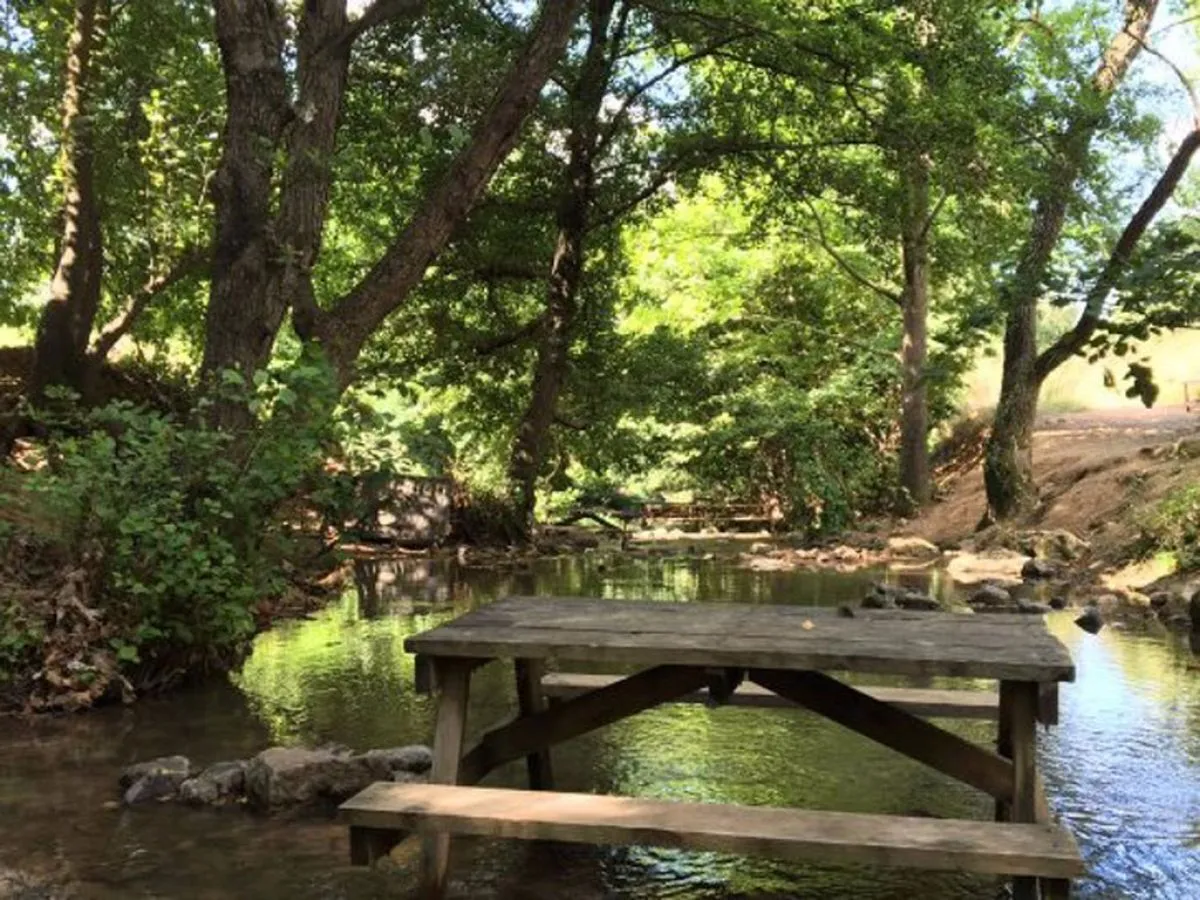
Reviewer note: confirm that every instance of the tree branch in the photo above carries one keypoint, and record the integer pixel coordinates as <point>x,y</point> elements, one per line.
<point>1075,339</point>
<point>844,264</point>
<point>379,13</point>
<point>639,90</point>
<point>190,262</point>
<point>346,327</point>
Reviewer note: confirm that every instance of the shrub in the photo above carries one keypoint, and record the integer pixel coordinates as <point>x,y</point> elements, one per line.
<point>1173,526</point>
<point>169,534</point>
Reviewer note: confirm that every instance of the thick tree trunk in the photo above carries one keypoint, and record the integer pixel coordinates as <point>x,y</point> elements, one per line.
<point>914,403</point>
<point>244,313</point>
<point>1008,463</point>
<point>566,267</point>
<point>65,326</point>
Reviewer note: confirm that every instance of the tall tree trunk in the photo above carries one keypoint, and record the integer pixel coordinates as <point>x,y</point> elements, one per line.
<point>65,326</point>
<point>914,403</point>
<point>1008,462</point>
<point>244,313</point>
<point>566,267</point>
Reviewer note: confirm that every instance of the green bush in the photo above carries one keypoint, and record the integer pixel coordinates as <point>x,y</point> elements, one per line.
<point>1173,526</point>
<point>170,533</point>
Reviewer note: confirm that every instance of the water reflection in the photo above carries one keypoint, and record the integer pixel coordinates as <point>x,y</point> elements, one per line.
<point>1123,768</point>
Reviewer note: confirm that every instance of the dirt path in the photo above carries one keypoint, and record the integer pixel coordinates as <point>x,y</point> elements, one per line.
<point>1096,470</point>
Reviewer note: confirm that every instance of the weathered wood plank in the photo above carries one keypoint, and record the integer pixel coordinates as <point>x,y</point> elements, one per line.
<point>925,702</point>
<point>894,728</point>
<point>577,716</point>
<point>745,636</point>
<point>803,835</point>
<point>453,678</point>
<point>531,700</point>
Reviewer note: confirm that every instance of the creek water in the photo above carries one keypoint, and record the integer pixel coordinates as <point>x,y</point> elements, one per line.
<point>1122,768</point>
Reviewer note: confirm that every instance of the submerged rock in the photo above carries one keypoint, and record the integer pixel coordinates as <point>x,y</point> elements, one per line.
<point>155,779</point>
<point>161,764</point>
<point>219,783</point>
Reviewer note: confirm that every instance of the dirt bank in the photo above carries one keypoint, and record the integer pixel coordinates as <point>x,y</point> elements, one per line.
<point>1097,472</point>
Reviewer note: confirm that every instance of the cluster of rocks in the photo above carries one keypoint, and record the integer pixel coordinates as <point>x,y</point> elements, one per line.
<point>278,778</point>
<point>890,596</point>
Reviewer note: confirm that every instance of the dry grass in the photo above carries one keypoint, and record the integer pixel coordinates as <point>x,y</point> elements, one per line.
<point>1078,386</point>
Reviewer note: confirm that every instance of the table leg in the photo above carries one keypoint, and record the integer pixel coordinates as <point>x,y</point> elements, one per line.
<point>1022,732</point>
<point>453,678</point>
<point>1004,741</point>
<point>532,700</point>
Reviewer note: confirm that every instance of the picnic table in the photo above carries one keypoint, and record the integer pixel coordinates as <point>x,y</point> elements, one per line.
<point>738,653</point>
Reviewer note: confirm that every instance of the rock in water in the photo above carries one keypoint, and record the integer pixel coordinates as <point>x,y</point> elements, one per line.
<point>915,548</point>
<point>161,764</point>
<point>1090,621</point>
<point>879,598</point>
<point>1038,569</point>
<point>1058,602</point>
<point>1031,607</point>
<point>988,594</point>
<point>282,777</point>
<point>219,783</point>
<point>155,779</point>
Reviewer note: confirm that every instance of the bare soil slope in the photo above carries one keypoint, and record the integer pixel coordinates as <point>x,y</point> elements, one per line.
<point>1097,471</point>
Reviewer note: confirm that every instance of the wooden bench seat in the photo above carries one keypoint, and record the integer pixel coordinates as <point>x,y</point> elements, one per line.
<point>386,810</point>
<point>918,701</point>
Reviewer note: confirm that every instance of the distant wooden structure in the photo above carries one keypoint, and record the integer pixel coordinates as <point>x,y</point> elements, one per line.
<point>751,655</point>
<point>699,514</point>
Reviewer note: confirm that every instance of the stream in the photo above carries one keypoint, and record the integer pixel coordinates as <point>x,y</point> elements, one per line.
<point>1122,769</point>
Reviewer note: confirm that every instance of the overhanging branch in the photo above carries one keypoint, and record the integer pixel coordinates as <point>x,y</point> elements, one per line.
<point>1089,320</point>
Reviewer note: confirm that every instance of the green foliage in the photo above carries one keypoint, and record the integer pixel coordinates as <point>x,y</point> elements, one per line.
<point>1174,527</point>
<point>179,530</point>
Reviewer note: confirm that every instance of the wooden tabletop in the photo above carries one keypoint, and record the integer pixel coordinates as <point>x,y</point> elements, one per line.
<point>894,642</point>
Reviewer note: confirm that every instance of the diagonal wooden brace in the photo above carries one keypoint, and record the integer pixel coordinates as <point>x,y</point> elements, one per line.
<point>901,731</point>
<point>577,716</point>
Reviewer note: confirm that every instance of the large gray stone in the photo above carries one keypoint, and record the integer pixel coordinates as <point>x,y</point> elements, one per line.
<point>386,762</point>
<point>283,777</point>
<point>219,783</point>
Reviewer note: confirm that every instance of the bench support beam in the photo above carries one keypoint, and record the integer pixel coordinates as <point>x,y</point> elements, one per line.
<point>579,715</point>
<point>905,733</point>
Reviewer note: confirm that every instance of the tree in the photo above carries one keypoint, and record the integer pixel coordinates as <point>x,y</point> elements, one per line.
<point>129,157</point>
<point>263,260</point>
<point>898,126</point>
<point>1008,466</point>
